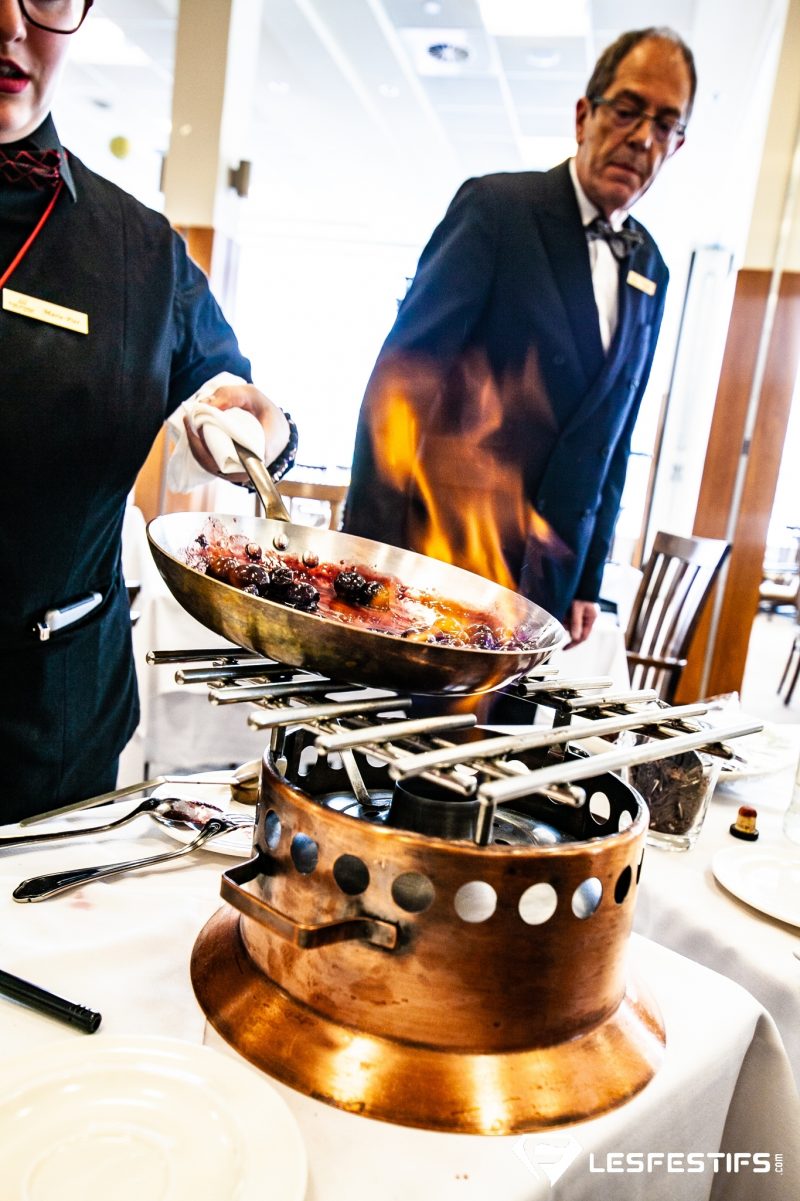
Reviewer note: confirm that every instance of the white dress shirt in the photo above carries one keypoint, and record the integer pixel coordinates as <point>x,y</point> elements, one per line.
<point>605,268</point>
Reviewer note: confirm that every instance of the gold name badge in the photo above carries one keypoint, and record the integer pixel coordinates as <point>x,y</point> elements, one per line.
<point>45,310</point>
<point>642,283</point>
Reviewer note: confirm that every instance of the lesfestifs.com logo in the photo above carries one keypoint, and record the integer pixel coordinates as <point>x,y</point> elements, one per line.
<point>548,1157</point>
<point>637,1162</point>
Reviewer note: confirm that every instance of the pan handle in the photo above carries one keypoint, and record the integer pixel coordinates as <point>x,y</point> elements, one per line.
<point>263,483</point>
<point>304,935</point>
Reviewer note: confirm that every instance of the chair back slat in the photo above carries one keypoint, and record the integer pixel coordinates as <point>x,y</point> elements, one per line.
<point>678,610</point>
<point>675,587</point>
<point>646,603</point>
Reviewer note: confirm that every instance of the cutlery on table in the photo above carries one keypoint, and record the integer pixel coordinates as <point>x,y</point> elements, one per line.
<point>248,771</point>
<point>39,888</point>
<point>169,811</point>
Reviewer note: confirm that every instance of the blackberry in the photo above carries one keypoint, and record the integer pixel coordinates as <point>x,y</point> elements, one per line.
<point>251,576</point>
<point>223,567</point>
<point>375,594</point>
<point>302,595</point>
<point>280,581</point>
<point>350,585</point>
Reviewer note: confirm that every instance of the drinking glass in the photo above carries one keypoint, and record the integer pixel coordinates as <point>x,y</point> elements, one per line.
<point>677,790</point>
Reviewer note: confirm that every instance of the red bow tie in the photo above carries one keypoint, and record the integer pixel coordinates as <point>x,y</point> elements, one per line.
<point>40,169</point>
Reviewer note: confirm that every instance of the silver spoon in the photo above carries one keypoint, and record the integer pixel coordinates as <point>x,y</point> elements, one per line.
<point>39,888</point>
<point>170,811</point>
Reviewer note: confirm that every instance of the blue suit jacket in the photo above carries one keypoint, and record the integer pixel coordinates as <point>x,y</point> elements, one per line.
<point>493,415</point>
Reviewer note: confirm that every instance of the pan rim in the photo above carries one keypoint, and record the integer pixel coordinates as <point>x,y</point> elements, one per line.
<point>551,643</point>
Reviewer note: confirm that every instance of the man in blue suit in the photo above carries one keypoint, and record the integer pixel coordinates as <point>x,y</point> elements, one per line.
<point>496,426</point>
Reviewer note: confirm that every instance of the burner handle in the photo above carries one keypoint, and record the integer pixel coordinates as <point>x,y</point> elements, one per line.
<point>304,935</point>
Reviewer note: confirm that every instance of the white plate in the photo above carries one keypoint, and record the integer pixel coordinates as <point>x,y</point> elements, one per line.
<point>146,1119</point>
<point>772,750</point>
<point>767,879</point>
<point>238,844</point>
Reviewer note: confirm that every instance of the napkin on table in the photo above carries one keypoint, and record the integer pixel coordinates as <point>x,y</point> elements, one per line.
<point>219,427</point>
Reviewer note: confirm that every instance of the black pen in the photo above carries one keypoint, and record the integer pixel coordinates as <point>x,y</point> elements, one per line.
<point>48,1003</point>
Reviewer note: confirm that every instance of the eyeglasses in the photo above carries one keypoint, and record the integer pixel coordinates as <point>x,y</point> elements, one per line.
<point>56,16</point>
<point>628,115</point>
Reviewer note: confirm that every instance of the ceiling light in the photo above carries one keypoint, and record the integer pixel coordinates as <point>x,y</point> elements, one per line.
<point>432,8</point>
<point>543,60</point>
<point>535,18</point>
<point>102,42</point>
<point>448,52</point>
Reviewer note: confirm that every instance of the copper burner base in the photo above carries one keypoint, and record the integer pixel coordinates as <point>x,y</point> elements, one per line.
<point>415,1085</point>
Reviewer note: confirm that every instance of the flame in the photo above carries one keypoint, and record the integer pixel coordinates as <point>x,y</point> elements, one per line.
<point>469,502</point>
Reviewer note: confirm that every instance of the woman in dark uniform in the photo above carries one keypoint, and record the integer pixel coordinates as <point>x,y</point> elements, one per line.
<point>106,327</point>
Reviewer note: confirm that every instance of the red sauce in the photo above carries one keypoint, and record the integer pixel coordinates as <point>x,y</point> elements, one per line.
<point>376,602</point>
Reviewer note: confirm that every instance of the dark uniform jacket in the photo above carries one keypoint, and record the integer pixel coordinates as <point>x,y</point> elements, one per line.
<point>79,414</point>
<point>493,419</point>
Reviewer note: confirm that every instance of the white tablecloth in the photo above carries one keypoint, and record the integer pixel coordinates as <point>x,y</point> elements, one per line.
<point>179,728</point>
<point>682,906</point>
<point>123,946</point>
<point>602,654</point>
<point>619,586</point>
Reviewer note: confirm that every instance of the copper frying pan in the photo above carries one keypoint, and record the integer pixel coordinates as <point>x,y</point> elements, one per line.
<point>350,653</point>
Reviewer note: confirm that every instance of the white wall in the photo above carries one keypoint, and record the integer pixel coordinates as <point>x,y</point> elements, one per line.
<point>312,312</point>
<point>703,200</point>
<point>318,295</point>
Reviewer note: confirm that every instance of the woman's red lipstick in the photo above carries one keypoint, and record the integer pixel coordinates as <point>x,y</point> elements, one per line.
<point>12,78</point>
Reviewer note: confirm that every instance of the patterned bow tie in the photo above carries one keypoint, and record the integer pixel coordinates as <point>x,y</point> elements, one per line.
<point>39,169</point>
<point>621,242</point>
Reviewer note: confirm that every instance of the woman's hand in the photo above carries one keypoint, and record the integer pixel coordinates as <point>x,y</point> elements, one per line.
<point>242,396</point>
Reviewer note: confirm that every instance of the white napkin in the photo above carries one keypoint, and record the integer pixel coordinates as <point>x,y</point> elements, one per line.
<point>219,426</point>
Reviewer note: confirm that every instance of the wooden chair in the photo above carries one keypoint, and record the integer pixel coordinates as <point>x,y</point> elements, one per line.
<point>791,676</point>
<point>780,586</point>
<point>676,584</point>
<point>334,495</point>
